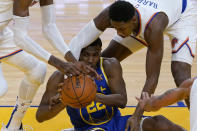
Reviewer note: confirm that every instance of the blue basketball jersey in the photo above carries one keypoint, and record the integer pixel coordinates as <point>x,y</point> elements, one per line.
<point>96,113</point>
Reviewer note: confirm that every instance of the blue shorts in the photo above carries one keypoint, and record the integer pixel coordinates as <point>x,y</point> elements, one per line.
<point>117,123</point>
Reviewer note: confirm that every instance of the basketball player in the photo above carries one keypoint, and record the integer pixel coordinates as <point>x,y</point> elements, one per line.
<point>142,23</point>
<point>103,113</point>
<point>34,69</point>
<point>188,89</point>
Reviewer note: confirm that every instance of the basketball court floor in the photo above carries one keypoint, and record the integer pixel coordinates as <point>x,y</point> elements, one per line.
<point>71,16</point>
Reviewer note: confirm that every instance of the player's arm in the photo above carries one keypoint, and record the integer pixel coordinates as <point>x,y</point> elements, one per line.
<point>21,23</point>
<point>118,98</point>
<point>45,110</point>
<point>171,96</point>
<point>20,28</point>
<point>154,38</point>
<point>154,103</point>
<point>50,30</point>
<point>90,32</point>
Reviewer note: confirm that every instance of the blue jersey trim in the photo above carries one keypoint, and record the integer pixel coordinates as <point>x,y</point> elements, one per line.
<point>184,5</point>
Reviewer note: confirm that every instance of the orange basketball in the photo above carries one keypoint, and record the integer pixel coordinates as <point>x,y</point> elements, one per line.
<point>78,91</point>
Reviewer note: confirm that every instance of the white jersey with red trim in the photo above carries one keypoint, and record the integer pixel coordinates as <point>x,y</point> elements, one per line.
<point>6,7</point>
<point>147,9</point>
<point>181,29</point>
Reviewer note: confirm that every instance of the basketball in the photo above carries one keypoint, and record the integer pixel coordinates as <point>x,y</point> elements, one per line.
<point>78,91</point>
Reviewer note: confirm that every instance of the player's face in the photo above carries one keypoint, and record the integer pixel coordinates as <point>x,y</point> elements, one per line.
<point>90,55</point>
<point>124,29</point>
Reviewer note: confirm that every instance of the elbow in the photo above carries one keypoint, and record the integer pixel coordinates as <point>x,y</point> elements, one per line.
<point>39,118</point>
<point>122,106</point>
<point>123,103</point>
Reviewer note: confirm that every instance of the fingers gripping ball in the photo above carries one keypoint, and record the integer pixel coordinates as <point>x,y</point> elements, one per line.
<point>78,91</point>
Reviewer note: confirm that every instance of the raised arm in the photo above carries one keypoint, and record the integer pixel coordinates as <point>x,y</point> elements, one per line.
<point>45,111</point>
<point>171,96</point>
<point>118,98</point>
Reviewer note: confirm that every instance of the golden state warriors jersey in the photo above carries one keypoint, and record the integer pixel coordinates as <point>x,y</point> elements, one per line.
<point>6,7</point>
<point>96,113</point>
<point>148,9</point>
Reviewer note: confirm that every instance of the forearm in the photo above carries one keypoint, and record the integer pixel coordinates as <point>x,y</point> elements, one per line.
<point>45,113</point>
<point>138,112</point>
<point>51,31</point>
<point>152,76</point>
<point>25,42</point>
<point>55,62</point>
<point>87,35</point>
<point>169,97</point>
<point>90,32</point>
<point>153,65</point>
<point>115,100</point>
<point>69,57</point>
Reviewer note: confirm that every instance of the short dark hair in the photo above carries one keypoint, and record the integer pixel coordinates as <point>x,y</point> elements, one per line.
<point>121,11</point>
<point>94,43</point>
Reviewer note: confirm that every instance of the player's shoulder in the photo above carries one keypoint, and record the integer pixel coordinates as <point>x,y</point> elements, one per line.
<point>111,64</point>
<point>55,78</point>
<point>159,22</point>
<point>110,61</point>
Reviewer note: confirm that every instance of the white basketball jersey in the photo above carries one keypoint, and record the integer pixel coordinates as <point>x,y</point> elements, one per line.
<point>147,9</point>
<point>6,7</point>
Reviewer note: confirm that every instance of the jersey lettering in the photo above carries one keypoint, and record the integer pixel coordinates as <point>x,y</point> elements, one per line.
<point>148,3</point>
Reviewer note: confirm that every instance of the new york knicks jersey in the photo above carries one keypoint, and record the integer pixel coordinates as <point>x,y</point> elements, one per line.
<point>148,9</point>
<point>6,7</point>
<point>96,113</point>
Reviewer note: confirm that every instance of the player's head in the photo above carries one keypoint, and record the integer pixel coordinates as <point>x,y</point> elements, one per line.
<point>91,54</point>
<point>122,17</point>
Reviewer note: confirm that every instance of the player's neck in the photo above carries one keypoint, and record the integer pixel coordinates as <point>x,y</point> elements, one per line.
<point>136,25</point>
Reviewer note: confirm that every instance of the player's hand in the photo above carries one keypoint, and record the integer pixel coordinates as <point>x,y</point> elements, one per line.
<point>133,123</point>
<point>54,100</point>
<point>146,102</point>
<point>70,69</point>
<point>57,98</point>
<point>87,69</point>
<point>82,66</point>
<point>67,68</point>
